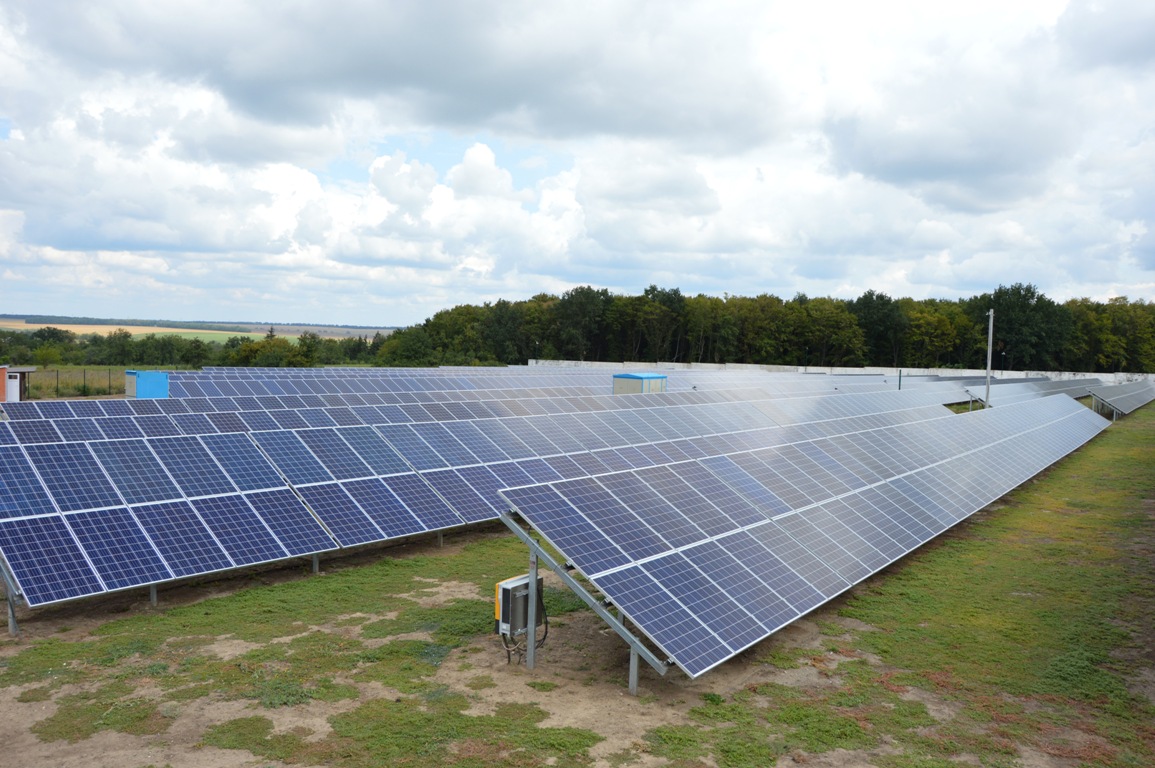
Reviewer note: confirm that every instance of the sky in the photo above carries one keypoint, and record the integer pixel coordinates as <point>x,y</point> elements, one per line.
<point>370,163</point>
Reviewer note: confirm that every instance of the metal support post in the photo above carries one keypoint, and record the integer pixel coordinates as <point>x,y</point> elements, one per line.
<point>531,617</point>
<point>990,347</point>
<point>440,539</point>
<point>13,627</point>
<point>633,672</point>
<point>316,563</point>
<point>152,595</point>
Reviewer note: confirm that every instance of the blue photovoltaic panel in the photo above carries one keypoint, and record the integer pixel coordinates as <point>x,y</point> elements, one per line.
<point>55,409</point>
<point>504,439</point>
<point>294,525</point>
<point>118,548</point>
<point>637,539</point>
<point>742,584</point>
<point>288,419</point>
<point>446,445</point>
<point>135,471</point>
<point>143,407</point>
<point>565,466</point>
<point>292,458</point>
<point>21,492</point>
<point>652,608</point>
<point>341,514</point>
<point>77,430</point>
<point>426,505</point>
<point>744,483</point>
<point>568,530</point>
<point>538,470</point>
<point>478,444</point>
<point>46,560</point>
<point>341,461</point>
<point>259,421</point>
<point>692,504</point>
<point>6,436</point>
<point>383,507</point>
<point>35,431</point>
<point>182,538</point>
<point>666,521</point>
<point>193,423</point>
<point>157,426</point>
<point>227,422</point>
<point>464,500</point>
<point>19,411</point>
<point>72,476</point>
<point>511,476</point>
<point>239,529</point>
<point>799,559</point>
<point>786,582</point>
<point>706,600</point>
<point>119,427</point>
<point>87,409</point>
<point>374,451</point>
<point>486,484</point>
<point>244,463</point>
<point>316,417</point>
<point>406,442</point>
<point>191,466</point>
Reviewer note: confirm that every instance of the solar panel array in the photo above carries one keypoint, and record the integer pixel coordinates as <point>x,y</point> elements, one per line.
<point>1006,392</point>
<point>102,495</point>
<point>711,555</point>
<point>1128,397</point>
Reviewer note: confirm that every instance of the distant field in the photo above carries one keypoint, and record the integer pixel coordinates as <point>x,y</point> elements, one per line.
<point>135,330</point>
<point>289,331</point>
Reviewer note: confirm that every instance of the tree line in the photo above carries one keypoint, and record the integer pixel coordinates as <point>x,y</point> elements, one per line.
<point>1032,332</point>
<point>51,346</point>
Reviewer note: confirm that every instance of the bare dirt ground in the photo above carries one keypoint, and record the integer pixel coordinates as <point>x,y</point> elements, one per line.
<point>584,665</point>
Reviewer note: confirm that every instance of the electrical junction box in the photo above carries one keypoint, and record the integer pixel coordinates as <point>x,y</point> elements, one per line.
<point>511,606</point>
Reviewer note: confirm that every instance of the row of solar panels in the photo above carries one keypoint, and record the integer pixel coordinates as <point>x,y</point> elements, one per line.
<point>1125,398</point>
<point>1008,392</point>
<point>437,405</point>
<point>97,515</point>
<point>718,553</point>
<point>44,422</point>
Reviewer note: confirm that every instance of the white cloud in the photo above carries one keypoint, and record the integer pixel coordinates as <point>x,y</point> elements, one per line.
<point>368,163</point>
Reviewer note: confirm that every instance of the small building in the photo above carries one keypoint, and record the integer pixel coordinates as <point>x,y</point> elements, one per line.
<point>639,383</point>
<point>146,385</point>
<point>14,383</point>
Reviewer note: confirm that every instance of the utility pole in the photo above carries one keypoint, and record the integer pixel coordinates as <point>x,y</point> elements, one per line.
<point>990,346</point>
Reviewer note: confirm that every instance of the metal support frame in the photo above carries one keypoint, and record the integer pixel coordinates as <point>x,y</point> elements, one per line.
<point>10,594</point>
<point>152,595</point>
<point>316,563</point>
<point>13,627</point>
<point>637,647</point>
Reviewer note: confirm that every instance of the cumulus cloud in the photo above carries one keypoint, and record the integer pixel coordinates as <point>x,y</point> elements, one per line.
<point>370,163</point>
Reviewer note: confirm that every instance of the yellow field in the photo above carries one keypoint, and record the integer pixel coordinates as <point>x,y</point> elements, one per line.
<point>135,330</point>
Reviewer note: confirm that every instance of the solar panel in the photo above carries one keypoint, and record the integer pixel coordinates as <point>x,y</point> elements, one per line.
<point>383,507</point>
<point>192,467</point>
<point>118,548</point>
<point>341,514</point>
<point>241,532</point>
<point>293,524</point>
<point>243,462</point>
<point>732,547</point>
<point>135,471</point>
<point>21,492</point>
<point>182,538</point>
<point>46,561</point>
<point>72,476</point>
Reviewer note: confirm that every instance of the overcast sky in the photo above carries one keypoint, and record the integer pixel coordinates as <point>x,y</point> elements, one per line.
<point>369,163</point>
